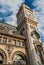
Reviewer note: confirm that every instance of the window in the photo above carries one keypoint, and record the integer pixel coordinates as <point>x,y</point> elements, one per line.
<point>17,43</point>
<point>14,42</point>
<point>22,43</point>
<point>4,40</point>
<point>1,59</point>
<point>18,59</point>
<point>35,34</point>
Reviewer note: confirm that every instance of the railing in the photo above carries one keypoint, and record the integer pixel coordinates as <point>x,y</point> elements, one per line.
<point>11,64</point>
<point>14,64</point>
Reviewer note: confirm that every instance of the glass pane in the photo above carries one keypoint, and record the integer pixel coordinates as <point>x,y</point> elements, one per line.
<point>19,59</point>
<point>17,43</point>
<point>4,40</point>
<point>1,58</point>
<point>14,42</point>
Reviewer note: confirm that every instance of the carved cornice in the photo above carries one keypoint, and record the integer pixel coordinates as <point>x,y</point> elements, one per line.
<point>12,35</point>
<point>32,22</point>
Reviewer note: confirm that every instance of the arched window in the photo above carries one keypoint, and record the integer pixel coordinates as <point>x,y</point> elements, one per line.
<point>35,34</point>
<point>18,59</point>
<point>1,59</point>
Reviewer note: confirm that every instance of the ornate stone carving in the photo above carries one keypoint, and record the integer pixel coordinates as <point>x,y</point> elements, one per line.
<point>9,49</point>
<point>7,28</point>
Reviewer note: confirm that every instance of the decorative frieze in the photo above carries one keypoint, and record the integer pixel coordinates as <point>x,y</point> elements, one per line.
<point>9,49</point>
<point>32,22</point>
<point>7,28</point>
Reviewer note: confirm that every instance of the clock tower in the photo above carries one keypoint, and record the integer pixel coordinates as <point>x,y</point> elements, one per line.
<point>27,26</point>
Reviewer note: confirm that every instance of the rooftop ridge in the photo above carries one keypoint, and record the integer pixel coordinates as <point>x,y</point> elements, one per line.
<point>8,24</point>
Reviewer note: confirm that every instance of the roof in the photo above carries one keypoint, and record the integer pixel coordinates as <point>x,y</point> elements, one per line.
<point>6,27</point>
<point>10,30</point>
<point>23,5</point>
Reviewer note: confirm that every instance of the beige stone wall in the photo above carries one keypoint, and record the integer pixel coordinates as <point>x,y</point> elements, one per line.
<point>13,50</point>
<point>10,49</point>
<point>43,51</point>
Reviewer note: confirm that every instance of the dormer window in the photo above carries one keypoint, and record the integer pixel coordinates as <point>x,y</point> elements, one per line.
<point>35,34</point>
<point>4,40</point>
<point>14,42</point>
<point>17,43</point>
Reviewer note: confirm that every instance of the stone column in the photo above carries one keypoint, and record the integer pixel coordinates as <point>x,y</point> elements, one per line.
<point>30,47</point>
<point>42,56</point>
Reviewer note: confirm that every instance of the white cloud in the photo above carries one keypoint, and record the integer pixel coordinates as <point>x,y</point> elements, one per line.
<point>0,18</point>
<point>14,4</point>
<point>39,8</point>
<point>11,20</point>
<point>2,10</point>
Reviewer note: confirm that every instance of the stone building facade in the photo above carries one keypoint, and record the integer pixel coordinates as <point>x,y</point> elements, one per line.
<point>21,45</point>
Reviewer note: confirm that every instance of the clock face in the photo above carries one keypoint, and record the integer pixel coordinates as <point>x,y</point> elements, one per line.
<point>29,15</point>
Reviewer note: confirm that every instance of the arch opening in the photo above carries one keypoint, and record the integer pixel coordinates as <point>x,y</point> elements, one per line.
<point>19,59</point>
<point>3,57</point>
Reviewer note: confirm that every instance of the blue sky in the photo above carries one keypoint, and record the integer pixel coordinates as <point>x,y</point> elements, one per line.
<point>9,9</point>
